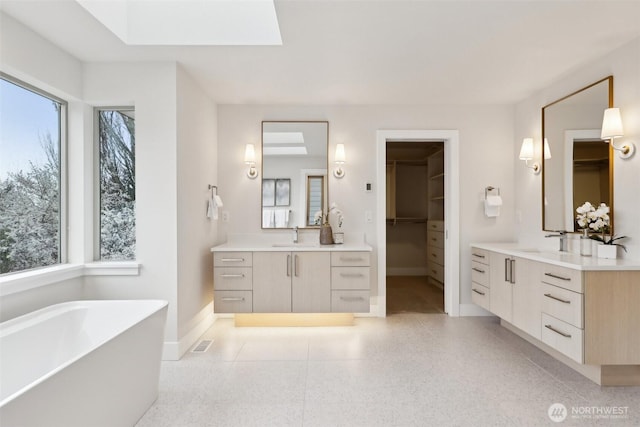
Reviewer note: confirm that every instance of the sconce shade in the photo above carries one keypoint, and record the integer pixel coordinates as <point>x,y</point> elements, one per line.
<point>526,151</point>
<point>249,154</point>
<point>612,124</point>
<point>547,150</point>
<point>340,155</point>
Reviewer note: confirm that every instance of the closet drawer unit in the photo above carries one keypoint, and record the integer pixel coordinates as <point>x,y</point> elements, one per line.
<point>233,279</point>
<point>343,278</point>
<point>562,304</point>
<point>435,254</point>
<point>436,271</point>
<point>435,238</point>
<point>435,225</point>
<point>563,337</point>
<point>350,259</point>
<point>480,255</point>
<point>480,273</point>
<point>480,295</point>
<point>233,301</point>
<point>232,259</point>
<point>350,301</point>
<point>563,277</point>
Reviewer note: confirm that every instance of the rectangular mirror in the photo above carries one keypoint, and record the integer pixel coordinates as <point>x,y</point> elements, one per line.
<point>294,173</point>
<point>579,167</point>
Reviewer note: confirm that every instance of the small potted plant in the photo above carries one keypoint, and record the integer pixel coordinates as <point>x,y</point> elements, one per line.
<point>597,220</point>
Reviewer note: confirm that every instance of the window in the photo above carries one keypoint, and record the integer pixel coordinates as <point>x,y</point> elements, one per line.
<point>117,180</point>
<point>31,220</point>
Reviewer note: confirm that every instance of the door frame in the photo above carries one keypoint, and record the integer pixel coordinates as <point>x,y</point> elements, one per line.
<point>451,212</point>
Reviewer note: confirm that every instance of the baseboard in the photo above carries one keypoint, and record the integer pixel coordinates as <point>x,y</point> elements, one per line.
<point>473,310</point>
<point>174,350</point>
<point>417,271</point>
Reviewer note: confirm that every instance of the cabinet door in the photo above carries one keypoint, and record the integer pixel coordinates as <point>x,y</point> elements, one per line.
<point>272,282</point>
<point>501,287</point>
<point>526,297</point>
<point>311,282</point>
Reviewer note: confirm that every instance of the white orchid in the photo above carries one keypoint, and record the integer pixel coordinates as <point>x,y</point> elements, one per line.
<point>592,218</point>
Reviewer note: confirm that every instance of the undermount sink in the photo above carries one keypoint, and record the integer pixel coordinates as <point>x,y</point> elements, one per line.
<point>295,245</point>
<point>531,250</point>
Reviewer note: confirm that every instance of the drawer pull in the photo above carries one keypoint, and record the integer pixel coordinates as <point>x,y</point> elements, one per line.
<point>232,299</point>
<point>434,272</point>
<point>348,259</point>
<point>477,291</point>
<point>478,255</point>
<point>434,226</point>
<point>478,270</point>
<point>434,255</point>
<point>351,275</point>
<point>557,331</point>
<point>351,299</point>
<point>232,259</point>
<point>557,299</point>
<point>433,239</point>
<point>557,277</point>
<point>232,275</point>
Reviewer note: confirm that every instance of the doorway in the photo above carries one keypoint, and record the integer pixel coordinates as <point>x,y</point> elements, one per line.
<point>450,140</point>
<point>415,226</point>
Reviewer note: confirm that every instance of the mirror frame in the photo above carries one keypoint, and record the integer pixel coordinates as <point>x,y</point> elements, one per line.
<point>327,180</point>
<point>608,79</point>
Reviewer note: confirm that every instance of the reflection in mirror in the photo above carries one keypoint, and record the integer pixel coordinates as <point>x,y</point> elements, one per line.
<point>580,168</point>
<point>294,171</point>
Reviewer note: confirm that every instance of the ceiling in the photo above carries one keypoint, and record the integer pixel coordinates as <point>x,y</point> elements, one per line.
<point>373,52</point>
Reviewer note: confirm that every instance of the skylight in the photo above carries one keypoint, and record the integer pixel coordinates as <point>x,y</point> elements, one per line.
<point>189,22</point>
<point>282,138</point>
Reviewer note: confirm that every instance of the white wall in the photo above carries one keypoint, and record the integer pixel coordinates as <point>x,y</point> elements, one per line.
<point>197,168</point>
<point>486,158</point>
<point>624,65</point>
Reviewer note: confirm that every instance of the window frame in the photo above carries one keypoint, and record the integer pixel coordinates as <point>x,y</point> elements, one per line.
<point>62,173</point>
<point>97,200</point>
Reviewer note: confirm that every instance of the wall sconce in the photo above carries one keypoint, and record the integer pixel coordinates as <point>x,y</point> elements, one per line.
<point>339,159</point>
<point>250,159</point>
<point>612,128</point>
<point>526,154</point>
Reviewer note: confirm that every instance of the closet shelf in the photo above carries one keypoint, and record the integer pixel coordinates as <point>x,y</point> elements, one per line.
<point>437,198</point>
<point>407,220</point>
<point>437,176</point>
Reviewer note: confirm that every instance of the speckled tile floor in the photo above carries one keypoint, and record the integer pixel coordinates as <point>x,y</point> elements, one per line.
<point>404,370</point>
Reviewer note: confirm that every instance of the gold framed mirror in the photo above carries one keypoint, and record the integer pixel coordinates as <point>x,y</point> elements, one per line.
<point>294,173</point>
<point>580,163</point>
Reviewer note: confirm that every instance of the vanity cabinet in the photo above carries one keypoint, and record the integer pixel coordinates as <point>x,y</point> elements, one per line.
<point>583,311</point>
<point>350,282</point>
<point>233,282</point>
<point>285,282</point>
<point>480,278</point>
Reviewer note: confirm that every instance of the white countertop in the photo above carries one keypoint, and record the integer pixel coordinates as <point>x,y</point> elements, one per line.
<point>282,242</point>
<point>562,259</point>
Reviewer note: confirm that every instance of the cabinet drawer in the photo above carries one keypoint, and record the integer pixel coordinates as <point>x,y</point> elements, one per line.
<point>436,271</point>
<point>564,277</point>
<point>435,238</point>
<point>562,304</point>
<point>350,301</point>
<point>350,259</point>
<point>350,278</point>
<point>480,273</point>
<point>232,259</point>
<point>435,255</point>
<point>233,279</point>
<point>563,337</point>
<point>233,301</point>
<point>435,225</point>
<point>480,295</point>
<point>480,255</point>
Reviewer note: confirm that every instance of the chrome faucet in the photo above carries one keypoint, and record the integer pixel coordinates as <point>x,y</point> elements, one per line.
<point>563,239</point>
<point>295,234</point>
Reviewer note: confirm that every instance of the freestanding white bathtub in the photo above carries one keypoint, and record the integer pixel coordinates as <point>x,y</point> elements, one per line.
<point>81,363</point>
